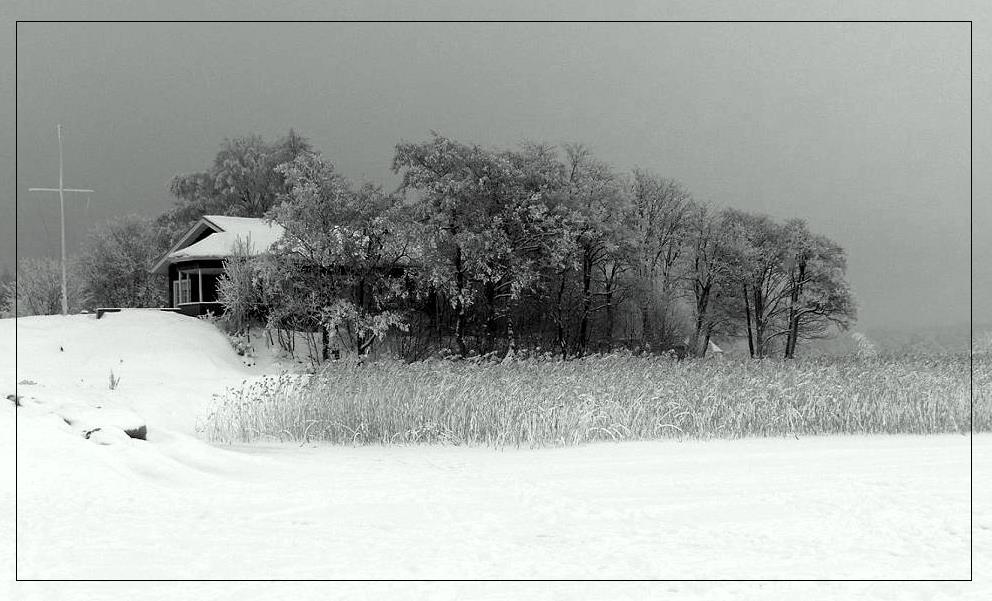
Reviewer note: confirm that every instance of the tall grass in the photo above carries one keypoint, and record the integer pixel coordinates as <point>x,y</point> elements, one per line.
<point>538,401</point>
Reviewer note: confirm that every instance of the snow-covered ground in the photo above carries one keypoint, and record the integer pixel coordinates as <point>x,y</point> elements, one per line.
<point>176,507</point>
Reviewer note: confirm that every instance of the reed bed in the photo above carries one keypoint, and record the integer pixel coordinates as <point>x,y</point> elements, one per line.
<point>538,401</point>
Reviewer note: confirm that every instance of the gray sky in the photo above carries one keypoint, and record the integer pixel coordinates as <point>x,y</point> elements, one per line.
<point>862,129</point>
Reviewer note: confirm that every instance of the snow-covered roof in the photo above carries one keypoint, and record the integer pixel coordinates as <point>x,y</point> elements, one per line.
<point>222,242</point>
<point>257,233</point>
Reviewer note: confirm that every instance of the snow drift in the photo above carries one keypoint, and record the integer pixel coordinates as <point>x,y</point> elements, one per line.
<point>169,368</point>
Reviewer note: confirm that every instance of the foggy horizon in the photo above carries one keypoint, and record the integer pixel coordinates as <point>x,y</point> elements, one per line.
<point>861,129</point>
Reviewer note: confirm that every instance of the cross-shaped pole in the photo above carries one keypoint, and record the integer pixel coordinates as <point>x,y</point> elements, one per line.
<point>61,190</point>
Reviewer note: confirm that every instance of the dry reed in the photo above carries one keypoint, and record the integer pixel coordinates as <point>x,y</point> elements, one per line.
<point>538,401</point>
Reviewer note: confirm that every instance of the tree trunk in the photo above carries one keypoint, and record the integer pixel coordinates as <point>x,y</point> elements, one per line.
<point>360,342</point>
<point>586,303</point>
<point>325,343</point>
<point>511,342</point>
<point>491,323</point>
<point>560,318</point>
<point>459,305</point>
<point>759,323</point>
<point>791,339</point>
<point>747,314</point>
<point>609,319</point>
<point>663,329</point>
<point>702,305</point>
<point>794,334</point>
<point>647,334</point>
<point>435,303</point>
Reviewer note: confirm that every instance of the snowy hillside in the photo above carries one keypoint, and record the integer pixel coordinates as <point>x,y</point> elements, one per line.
<point>176,507</point>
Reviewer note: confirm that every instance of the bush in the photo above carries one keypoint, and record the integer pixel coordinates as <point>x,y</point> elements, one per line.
<point>239,288</point>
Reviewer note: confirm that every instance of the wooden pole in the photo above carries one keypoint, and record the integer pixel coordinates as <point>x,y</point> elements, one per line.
<point>61,190</point>
<point>65,298</point>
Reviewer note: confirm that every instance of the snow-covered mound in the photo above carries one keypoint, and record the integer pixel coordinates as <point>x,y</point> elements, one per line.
<point>73,447</point>
<point>127,369</point>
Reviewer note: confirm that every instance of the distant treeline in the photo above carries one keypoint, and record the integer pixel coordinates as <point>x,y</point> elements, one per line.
<point>486,251</point>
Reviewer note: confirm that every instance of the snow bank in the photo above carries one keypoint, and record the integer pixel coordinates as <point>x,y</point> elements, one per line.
<point>169,367</point>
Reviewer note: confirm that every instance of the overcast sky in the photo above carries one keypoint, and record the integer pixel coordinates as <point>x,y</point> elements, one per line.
<point>862,129</point>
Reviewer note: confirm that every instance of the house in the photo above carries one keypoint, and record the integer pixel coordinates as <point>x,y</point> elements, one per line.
<point>196,262</point>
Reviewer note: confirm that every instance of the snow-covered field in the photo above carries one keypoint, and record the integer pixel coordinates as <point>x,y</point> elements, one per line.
<point>176,507</point>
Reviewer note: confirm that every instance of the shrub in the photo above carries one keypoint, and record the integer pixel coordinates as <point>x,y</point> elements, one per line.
<point>239,289</point>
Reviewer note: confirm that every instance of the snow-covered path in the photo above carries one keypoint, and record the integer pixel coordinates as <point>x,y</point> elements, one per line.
<point>175,507</point>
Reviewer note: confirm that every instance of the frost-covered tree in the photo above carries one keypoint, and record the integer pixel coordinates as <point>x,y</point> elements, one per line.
<point>347,248</point>
<point>792,282</point>
<point>490,229</point>
<point>460,193</point>
<point>114,262</point>
<point>39,286</point>
<point>595,195</point>
<point>659,222</point>
<point>242,181</point>
<point>538,227</point>
<point>755,251</point>
<point>709,278</point>
<point>7,291</point>
<point>820,298</point>
<point>481,250</point>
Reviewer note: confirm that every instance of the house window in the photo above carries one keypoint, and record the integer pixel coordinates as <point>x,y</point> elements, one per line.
<point>180,291</point>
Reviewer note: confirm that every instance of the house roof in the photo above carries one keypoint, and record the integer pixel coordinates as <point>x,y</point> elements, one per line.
<point>223,240</point>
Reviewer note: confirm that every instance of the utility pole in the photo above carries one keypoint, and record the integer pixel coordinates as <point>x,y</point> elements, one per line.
<point>61,190</point>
